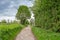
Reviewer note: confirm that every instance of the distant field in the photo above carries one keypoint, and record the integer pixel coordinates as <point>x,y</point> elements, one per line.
<point>9,31</point>
<point>42,34</point>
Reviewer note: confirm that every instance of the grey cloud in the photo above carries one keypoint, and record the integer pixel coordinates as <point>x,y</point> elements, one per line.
<point>10,7</point>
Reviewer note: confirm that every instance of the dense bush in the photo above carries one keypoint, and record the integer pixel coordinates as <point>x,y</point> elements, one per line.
<point>47,14</point>
<point>9,32</point>
<point>3,21</point>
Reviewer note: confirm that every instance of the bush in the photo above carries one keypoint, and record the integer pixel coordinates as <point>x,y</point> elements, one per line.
<point>47,14</point>
<point>9,32</point>
<point>3,21</point>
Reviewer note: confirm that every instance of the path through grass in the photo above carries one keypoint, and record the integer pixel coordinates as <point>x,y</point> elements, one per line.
<point>25,34</point>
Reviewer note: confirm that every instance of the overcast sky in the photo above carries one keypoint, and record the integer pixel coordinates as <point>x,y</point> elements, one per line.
<point>8,8</point>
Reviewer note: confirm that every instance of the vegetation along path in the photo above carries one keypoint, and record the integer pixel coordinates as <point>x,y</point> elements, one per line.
<point>25,34</point>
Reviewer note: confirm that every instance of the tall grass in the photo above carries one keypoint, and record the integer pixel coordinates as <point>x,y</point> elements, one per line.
<point>42,34</point>
<point>9,31</point>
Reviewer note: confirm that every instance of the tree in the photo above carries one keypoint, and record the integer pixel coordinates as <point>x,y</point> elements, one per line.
<point>47,14</point>
<point>23,13</point>
<point>3,21</point>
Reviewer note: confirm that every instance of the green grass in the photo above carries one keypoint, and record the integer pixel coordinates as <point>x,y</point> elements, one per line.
<point>9,31</point>
<point>42,34</point>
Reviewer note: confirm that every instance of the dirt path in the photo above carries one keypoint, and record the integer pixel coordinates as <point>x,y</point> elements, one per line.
<point>25,34</point>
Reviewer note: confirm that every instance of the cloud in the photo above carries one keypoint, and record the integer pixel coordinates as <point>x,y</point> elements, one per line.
<point>9,7</point>
<point>9,12</point>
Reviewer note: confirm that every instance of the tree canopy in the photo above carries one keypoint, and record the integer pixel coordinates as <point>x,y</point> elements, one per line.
<point>23,13</point>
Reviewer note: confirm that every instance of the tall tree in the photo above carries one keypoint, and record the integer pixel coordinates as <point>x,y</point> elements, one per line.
<point>47,14</point>
<point>23,13</point>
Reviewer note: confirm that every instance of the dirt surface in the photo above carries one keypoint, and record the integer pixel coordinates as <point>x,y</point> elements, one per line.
<point>25,34</point>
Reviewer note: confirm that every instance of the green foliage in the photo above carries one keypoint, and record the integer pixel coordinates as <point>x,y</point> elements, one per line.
<point>47,14</point>
<point>14,21</point>
<point>3,21</point>
<point>23,13</point>
<point>42,34</point>
<point>26,22</point>
<point>32,22</point>
<point>10,31</point>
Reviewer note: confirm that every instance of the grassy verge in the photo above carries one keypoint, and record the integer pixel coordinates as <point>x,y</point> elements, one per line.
<point>9,31</point>
<point>42,34</point>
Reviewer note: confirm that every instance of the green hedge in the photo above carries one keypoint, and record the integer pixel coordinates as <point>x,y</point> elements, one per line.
<point>9,33</point>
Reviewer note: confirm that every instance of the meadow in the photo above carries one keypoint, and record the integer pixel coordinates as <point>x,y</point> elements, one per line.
<point>42,34</point>
<point>9,31</point>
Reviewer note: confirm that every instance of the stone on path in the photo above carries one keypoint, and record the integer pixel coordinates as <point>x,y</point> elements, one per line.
<point>25,34</point>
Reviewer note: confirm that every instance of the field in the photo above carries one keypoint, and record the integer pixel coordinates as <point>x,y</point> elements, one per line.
<point>42,34</point>
<point>9,31</point>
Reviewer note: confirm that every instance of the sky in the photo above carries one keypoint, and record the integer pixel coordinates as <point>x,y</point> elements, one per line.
<point>8,8</point>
